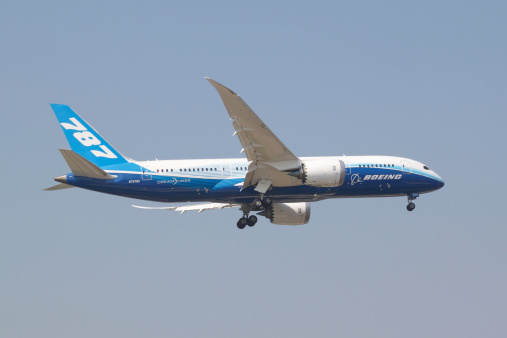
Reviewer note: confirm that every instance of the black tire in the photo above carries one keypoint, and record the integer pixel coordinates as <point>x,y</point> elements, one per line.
<point>257,204</point>
<point>252,220</point>
<point>267,201</point>
<point>242,223</point>
<point>410,206</point>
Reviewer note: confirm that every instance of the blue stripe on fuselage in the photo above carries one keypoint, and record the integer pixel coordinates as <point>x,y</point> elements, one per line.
<point>130,182</point>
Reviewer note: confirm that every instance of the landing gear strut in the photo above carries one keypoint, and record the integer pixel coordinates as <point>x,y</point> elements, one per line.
<point>411,197</point>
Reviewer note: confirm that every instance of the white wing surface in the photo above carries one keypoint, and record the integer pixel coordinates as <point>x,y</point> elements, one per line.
<point>193,207</point>
<point>271,159</point>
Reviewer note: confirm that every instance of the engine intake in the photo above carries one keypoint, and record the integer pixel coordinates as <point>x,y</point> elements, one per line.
<point>321,173</point>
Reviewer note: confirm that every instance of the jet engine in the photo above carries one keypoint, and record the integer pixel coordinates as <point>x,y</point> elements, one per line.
<point>288,213</point>
<point>321,173</point>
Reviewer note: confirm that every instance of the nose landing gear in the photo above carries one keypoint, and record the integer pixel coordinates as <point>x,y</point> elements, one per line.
<point>411,197</point>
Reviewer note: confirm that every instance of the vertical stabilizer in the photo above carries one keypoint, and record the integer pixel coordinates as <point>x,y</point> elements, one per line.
<point>84,140</point>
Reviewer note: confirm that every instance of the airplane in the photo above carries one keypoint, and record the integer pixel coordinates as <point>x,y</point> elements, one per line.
<point>271,181</point>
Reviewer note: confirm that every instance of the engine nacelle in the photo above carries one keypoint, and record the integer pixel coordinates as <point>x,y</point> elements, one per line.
<point>322,173</point>
<point>289,213</point>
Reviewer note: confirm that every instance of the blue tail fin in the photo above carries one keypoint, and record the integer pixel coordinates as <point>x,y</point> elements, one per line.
<point>85,140</point>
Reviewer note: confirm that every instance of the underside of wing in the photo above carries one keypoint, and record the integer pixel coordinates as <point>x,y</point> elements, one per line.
<point>193,207</point>
<point>270,159</point>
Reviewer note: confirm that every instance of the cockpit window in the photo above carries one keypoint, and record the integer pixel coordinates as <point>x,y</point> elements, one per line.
<point>425,167</point>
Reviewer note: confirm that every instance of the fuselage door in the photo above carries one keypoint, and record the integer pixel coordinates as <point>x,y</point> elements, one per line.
<point>405,167</point>
<point>146,175</point>
<point>226,170</point>
<point>347,168</point>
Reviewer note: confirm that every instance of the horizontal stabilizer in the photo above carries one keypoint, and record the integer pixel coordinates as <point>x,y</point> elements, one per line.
<point>82,167</point>
<point>59,186</point>
<point>193,207</point>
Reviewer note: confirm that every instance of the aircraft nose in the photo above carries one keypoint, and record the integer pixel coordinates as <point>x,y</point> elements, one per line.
<point>440,184</point>
<point>439,181</point>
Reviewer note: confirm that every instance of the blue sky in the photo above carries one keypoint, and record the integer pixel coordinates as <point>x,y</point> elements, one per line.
<point>420,80</point>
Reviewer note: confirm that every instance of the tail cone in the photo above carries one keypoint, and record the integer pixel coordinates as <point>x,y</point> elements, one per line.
<point>61,179</point>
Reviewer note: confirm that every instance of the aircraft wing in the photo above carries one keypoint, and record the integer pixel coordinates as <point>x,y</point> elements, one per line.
<point>271,160</point>
<point>193,207</point>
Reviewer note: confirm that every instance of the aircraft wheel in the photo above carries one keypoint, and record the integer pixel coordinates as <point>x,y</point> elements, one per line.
<point>267,201</point>
<point>252,220</point>
<point>242,223</point>
<point>257,204</point>
<point>410,206</point>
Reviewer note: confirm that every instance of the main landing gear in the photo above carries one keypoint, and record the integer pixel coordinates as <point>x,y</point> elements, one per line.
<point>257,204</point>
<point>265,202</point>
<point>244,221</point>
<point>411,197</point>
